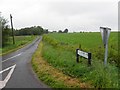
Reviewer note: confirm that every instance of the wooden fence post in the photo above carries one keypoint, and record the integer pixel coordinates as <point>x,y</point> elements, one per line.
<point>77,56</point>
<point>89,58</point>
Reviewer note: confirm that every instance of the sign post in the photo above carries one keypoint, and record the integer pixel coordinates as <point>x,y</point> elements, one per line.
<point>105,33</point>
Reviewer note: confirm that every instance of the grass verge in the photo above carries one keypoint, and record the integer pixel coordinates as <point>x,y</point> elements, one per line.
<point>51,76</point>
<point>61,56</point>
<point>96,74</point>
<point>20,41</point>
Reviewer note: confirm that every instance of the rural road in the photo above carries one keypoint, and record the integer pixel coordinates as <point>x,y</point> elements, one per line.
<point>17,70</point>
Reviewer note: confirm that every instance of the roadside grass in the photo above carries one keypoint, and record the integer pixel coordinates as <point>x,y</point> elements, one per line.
<point>55,61</point>
<point>95,75</point>
<point>20,41</point>
<point>59,51</point>
<point>51,76</point>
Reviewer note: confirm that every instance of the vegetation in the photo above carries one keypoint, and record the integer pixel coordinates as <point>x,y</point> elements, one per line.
<point>89,42</point>
<point>20,41</point>
<point>59,51</point>
<point>52,76</point>
<point>6,36</point>
<point>65,31</point>
<point>36,30</point>
<point>4,30</point>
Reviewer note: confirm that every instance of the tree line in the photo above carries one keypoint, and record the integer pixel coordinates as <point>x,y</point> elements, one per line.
<point>35,30</point>
<point>6,31</point>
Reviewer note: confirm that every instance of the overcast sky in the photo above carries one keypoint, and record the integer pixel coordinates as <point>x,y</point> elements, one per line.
<point>54,15</point>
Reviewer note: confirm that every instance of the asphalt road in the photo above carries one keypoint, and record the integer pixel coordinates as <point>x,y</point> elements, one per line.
<point>23,75</point>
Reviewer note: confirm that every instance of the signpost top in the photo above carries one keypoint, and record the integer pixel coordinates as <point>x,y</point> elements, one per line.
<point>105,28</point>
<point>105,32</point>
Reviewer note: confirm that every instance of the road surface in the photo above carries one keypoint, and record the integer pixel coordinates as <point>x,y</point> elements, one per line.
<point>17,70</point>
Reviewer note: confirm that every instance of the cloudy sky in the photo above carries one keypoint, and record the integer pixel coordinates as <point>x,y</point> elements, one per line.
<point>76,15</point>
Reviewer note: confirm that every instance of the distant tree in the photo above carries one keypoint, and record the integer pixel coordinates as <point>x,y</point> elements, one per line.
<point>36,30</point>
<point>46,31</point>
<point>65,31</point>
<point>54,31</point>
<point>60,31</point>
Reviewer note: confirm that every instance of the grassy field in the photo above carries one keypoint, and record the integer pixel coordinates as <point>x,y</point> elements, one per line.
<point>90,42</point>
<point>19,42</point>
<point>59,51</point>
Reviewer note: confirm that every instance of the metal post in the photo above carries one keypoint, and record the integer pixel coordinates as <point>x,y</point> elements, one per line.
<point>106,54</point>
<point>105,32</point>
<point>12,29</point>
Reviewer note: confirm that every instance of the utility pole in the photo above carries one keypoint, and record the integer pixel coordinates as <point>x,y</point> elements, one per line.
<point>12,29</point>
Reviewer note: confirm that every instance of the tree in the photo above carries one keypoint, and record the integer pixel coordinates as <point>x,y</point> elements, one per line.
<point>65,31</point>
<point>36,30</point>
<point>5,30</point>
<point>60,31</point>
<point>46,31</point>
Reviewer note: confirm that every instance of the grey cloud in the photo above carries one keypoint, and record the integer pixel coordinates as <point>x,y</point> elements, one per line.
<point>73,8</point>
<point>55,15</point>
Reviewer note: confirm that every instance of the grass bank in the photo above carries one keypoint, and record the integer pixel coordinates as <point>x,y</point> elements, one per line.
<point>55,60</point>
<point>96,75</point>
<point>20,41</point>
<point>51,76</point>
<point>59,51</point>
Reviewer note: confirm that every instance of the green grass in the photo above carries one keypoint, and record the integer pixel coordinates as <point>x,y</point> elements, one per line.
<point>90,42</point>
<point>19,42</point>
<point>48,74</point>
<point>59,51</point>
<point>87,40</point>
<point>0,50</point>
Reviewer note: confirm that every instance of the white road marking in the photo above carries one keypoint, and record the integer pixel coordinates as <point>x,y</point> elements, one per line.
<point>3,83</point>
<point>11,57</point>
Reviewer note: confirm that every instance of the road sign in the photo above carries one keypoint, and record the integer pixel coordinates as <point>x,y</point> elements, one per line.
<point>105,33</point>
<point>83,54</point>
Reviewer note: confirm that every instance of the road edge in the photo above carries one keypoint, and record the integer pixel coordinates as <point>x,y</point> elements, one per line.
<point>29,64</point>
